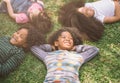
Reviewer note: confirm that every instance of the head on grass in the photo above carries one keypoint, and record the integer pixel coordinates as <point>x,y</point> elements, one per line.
<point>65,39</point>
<point>27,36</point>
<point>89,27</point>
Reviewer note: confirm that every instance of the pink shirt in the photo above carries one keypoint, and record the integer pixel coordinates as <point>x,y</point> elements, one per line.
<point>23,18</point>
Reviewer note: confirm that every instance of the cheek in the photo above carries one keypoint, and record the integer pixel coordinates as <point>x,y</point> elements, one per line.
<point>72,41</point>
<point>21,41</point>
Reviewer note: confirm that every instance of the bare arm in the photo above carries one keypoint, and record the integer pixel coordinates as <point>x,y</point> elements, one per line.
<point>116,0</point>
<point>111,19</point>
<point>116,17</point>
<point>10,9</point>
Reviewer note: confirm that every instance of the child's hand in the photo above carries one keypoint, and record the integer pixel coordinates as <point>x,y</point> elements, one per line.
<point>6,1</point>
<point>74,48</point>
<point>53,47</point>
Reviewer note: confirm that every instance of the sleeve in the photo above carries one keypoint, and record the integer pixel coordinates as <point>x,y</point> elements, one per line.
<point>87,51</point>
<point>41,51</point>
<point>21,18</point>
<point>12,62</point>
<point>100,18</point>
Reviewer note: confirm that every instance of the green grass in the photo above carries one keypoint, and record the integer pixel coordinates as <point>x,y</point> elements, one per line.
<point>104,68</point>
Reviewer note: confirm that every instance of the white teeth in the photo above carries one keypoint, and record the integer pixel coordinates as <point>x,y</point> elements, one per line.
<point>13,39</point>
<point>67,43</point>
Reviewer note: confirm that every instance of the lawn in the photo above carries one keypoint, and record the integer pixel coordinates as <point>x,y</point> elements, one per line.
<point>104,68</point>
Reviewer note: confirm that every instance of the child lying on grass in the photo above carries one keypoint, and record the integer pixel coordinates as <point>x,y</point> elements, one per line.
<point>12,49</point>
<point>63,56</point>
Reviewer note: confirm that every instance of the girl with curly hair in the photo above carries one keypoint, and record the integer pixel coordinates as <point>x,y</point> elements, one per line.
<point>64,55</point>
<point>12,49</point>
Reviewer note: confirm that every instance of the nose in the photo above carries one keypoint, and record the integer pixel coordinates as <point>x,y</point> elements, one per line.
<point>67,38</point>
<point>17,35</point>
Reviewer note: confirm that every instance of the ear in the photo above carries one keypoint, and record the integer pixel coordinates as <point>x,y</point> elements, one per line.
<point>56,43</point>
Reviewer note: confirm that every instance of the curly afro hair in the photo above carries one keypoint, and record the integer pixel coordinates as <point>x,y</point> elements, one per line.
<point>42,22</point>
<point>73,31</point>
<point>34,37</point>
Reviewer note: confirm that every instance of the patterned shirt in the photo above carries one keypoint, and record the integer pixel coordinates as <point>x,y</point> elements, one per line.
<point>63,66</point>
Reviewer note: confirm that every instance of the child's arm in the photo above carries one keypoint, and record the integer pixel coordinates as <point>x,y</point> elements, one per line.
<point>116,17</point>
<point>9,64</point>
<point>111,19</point>
<point>116,0</point>
<point>41,51</point>
<point>87,52</point>
<point>10,9</point>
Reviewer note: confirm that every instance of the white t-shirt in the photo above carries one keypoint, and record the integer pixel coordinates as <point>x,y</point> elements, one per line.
<point>102,8</point>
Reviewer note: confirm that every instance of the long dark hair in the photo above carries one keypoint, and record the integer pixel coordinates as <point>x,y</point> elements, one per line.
<point>89,27</point>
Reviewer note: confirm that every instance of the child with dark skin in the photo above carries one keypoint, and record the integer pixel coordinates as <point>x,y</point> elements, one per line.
<point>64,55</point>
<point>12,49</point>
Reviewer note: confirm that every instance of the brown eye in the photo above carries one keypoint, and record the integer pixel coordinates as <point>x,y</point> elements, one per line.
<point>17,32</point>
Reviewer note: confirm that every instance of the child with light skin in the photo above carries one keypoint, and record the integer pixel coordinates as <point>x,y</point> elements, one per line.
<point>64,55</point>
<point>23,11</point>
<point>91,29</point>
<point>106,11</point>
<point>12,49</point>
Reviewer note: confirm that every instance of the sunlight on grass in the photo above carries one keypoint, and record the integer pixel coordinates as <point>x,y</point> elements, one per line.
<point>104,68</point>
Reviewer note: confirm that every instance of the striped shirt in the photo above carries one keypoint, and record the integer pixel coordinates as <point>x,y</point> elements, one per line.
<point>10,56</point>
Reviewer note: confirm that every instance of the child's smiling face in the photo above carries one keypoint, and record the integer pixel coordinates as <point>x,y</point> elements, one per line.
<point>89,12</point>
<point>64,41</point>
<point>19,38</point>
